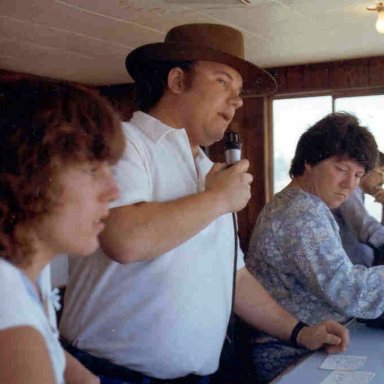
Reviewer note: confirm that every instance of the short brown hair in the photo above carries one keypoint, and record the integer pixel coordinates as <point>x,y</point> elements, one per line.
<point>151,85</point>
<point>337,134</point>
<point>43,126</point>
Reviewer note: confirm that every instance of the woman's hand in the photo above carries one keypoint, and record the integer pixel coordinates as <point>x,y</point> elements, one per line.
<point>328,334</point>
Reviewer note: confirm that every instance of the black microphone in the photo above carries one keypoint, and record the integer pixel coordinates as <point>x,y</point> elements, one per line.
<point>232,147</point>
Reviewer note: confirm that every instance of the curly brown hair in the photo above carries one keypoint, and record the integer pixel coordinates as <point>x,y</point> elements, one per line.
<point>45,125</point>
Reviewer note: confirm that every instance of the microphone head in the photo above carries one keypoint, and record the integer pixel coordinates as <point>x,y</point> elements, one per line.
<point>232,147</point>
<point>232,140</point>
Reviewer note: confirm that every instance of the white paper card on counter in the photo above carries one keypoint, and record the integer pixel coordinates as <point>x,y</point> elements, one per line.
<point>343,362</point>
<point>348,377</point>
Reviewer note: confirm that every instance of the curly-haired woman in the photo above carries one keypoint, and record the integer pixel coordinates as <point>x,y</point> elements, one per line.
<point>57,143</point>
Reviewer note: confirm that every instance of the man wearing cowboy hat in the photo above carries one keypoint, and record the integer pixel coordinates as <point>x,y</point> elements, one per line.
<point>162,315</point>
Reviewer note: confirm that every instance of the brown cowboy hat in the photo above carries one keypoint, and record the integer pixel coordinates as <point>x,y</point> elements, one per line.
<point>209,42</point>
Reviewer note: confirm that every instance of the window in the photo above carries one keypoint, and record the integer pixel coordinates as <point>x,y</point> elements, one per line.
<point>370,111</point>
<point>291,117</point>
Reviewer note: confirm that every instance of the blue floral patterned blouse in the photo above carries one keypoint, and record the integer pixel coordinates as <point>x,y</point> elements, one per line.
<point>296,253</point>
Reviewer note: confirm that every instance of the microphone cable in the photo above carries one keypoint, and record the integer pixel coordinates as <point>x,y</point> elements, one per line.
<point>232,150</point>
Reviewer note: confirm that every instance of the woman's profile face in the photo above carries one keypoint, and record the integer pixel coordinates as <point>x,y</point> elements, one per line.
<point>333,179</point>
<point>76,220</point>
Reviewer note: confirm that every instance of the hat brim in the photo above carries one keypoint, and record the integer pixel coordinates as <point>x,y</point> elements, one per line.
<point>256,81</point>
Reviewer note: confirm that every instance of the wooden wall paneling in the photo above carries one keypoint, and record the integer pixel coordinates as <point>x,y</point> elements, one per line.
<point>254,151</point>
<point>295,78</point>
<point>7,75</point>
<point>316,77</point>
<point>376,71</point>
<point>122,98</point>
<point>349,74</point>
<point>268,147</point>
<point>281,78</point>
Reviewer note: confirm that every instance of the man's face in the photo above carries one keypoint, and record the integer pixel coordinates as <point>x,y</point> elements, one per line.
<point>333,179</point>
<point>210,102</point>
<point>373,181</point>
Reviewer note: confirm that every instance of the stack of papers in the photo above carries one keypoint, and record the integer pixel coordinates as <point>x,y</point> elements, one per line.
<point>346,370</point>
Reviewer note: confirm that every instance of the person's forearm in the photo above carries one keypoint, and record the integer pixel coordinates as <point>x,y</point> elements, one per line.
<point>144,231</point>
<point>255,305</point>
<point>147,230</point>
<point>76,373</point>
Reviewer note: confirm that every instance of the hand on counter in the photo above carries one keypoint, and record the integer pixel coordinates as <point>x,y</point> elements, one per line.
<point>328,334</point>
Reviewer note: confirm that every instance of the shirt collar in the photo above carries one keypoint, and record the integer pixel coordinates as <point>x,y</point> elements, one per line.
<point>153,127</point>
<point>203,163</point>
<point>156,130</point>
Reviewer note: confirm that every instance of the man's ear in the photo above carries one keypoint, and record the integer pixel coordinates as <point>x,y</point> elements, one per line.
<point>176,77</point>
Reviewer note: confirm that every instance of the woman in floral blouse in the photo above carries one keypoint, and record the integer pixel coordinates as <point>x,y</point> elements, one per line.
<point>295,249</point>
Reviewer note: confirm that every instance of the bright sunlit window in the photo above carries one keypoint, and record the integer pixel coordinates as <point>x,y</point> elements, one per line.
<point>291,117</point>
<point>370,111</point>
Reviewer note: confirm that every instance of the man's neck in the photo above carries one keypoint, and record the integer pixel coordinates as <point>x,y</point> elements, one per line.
<point>170,119</point>
<point>166,117</point>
